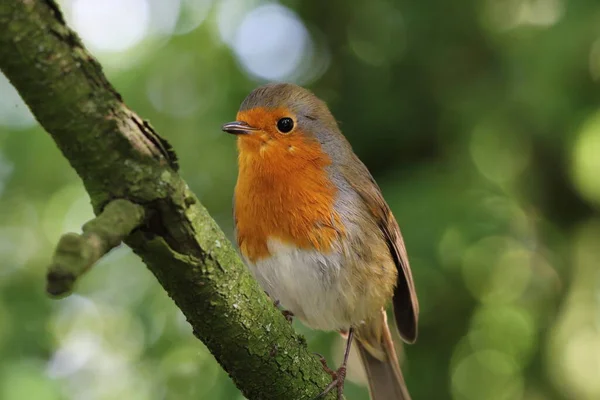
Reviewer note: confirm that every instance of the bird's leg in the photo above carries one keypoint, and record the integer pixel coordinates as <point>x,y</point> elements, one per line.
<point>287,314</point>
<point>338,376</point>
<point>326,367</point>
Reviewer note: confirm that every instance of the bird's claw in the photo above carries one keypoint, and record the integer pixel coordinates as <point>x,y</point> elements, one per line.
<point>326,367</point>
<point>287,314</point>
<point>338,377</point>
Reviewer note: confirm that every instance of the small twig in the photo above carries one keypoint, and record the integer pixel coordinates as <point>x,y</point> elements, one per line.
<point>76,253</point>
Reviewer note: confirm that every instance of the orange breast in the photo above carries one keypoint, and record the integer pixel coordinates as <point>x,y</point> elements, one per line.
<point>283,192</point>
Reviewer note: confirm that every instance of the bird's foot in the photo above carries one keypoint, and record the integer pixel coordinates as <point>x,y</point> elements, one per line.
<point>287,314</point>
<point>325,366</point>
<point>337,379</point>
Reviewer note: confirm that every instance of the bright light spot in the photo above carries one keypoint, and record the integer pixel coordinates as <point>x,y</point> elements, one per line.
<point>164,16</point>
<point>66,211</point>
<point>230,14</point>
<point>98,343</point>
<point>271,43</point>
<point>20,238</point>
<point>574,351</point>
<point>127,290</point>
<point>14,113</point>
<point>497,269</point>
<point>18,244</point>
<point>504,15</point>
<point>76,314</point>
<point>582,362</point>
<point>173,88</point>
<point>115,327</point>
<point>177,16</point>
<point>74,354</point>
<point>503,211</point>
<point>507,329</point>
<point>193,13</point>
<point>451,246</point>
<point>540,12</point>
<point>586,160</point>
<point>500,153</point>
<point>110,25</point>
<point>489,375</point>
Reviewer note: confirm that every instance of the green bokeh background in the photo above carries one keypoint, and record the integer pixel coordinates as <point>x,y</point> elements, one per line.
<point>479,119</point>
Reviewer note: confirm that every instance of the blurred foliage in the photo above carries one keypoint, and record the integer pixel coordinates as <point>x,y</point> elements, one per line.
<point>480,121</point>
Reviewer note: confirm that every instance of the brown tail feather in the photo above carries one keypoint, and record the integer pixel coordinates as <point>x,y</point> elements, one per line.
<point>385,377</point>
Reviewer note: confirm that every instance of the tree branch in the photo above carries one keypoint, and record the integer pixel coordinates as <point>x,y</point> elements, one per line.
<point>75,254</point>
<point>119,156</point>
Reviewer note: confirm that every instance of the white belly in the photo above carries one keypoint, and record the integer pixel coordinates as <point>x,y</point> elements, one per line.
<point>306,283</point>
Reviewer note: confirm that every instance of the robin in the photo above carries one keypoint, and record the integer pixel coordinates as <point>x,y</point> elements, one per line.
<point>313,228</point>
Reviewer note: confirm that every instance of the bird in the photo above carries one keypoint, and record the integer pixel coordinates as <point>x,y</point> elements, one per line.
<point>313,228</point>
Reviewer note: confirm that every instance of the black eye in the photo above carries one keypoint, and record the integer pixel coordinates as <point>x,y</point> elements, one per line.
<point>285,125</point>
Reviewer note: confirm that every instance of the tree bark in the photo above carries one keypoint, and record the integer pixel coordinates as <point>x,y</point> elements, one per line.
<point>119,156</point>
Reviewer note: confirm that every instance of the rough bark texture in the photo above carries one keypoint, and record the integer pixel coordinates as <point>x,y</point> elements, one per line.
<point>119,156</point>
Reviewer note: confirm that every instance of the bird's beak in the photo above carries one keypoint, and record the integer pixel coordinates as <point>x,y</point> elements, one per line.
<point>238,128</point>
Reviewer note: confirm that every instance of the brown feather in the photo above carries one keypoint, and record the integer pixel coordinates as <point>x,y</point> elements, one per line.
<point>384,375</point>
<point>406,305</point>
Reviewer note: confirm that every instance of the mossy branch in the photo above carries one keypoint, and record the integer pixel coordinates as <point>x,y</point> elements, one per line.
<point>119,156</point>
<point>75,253</point>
